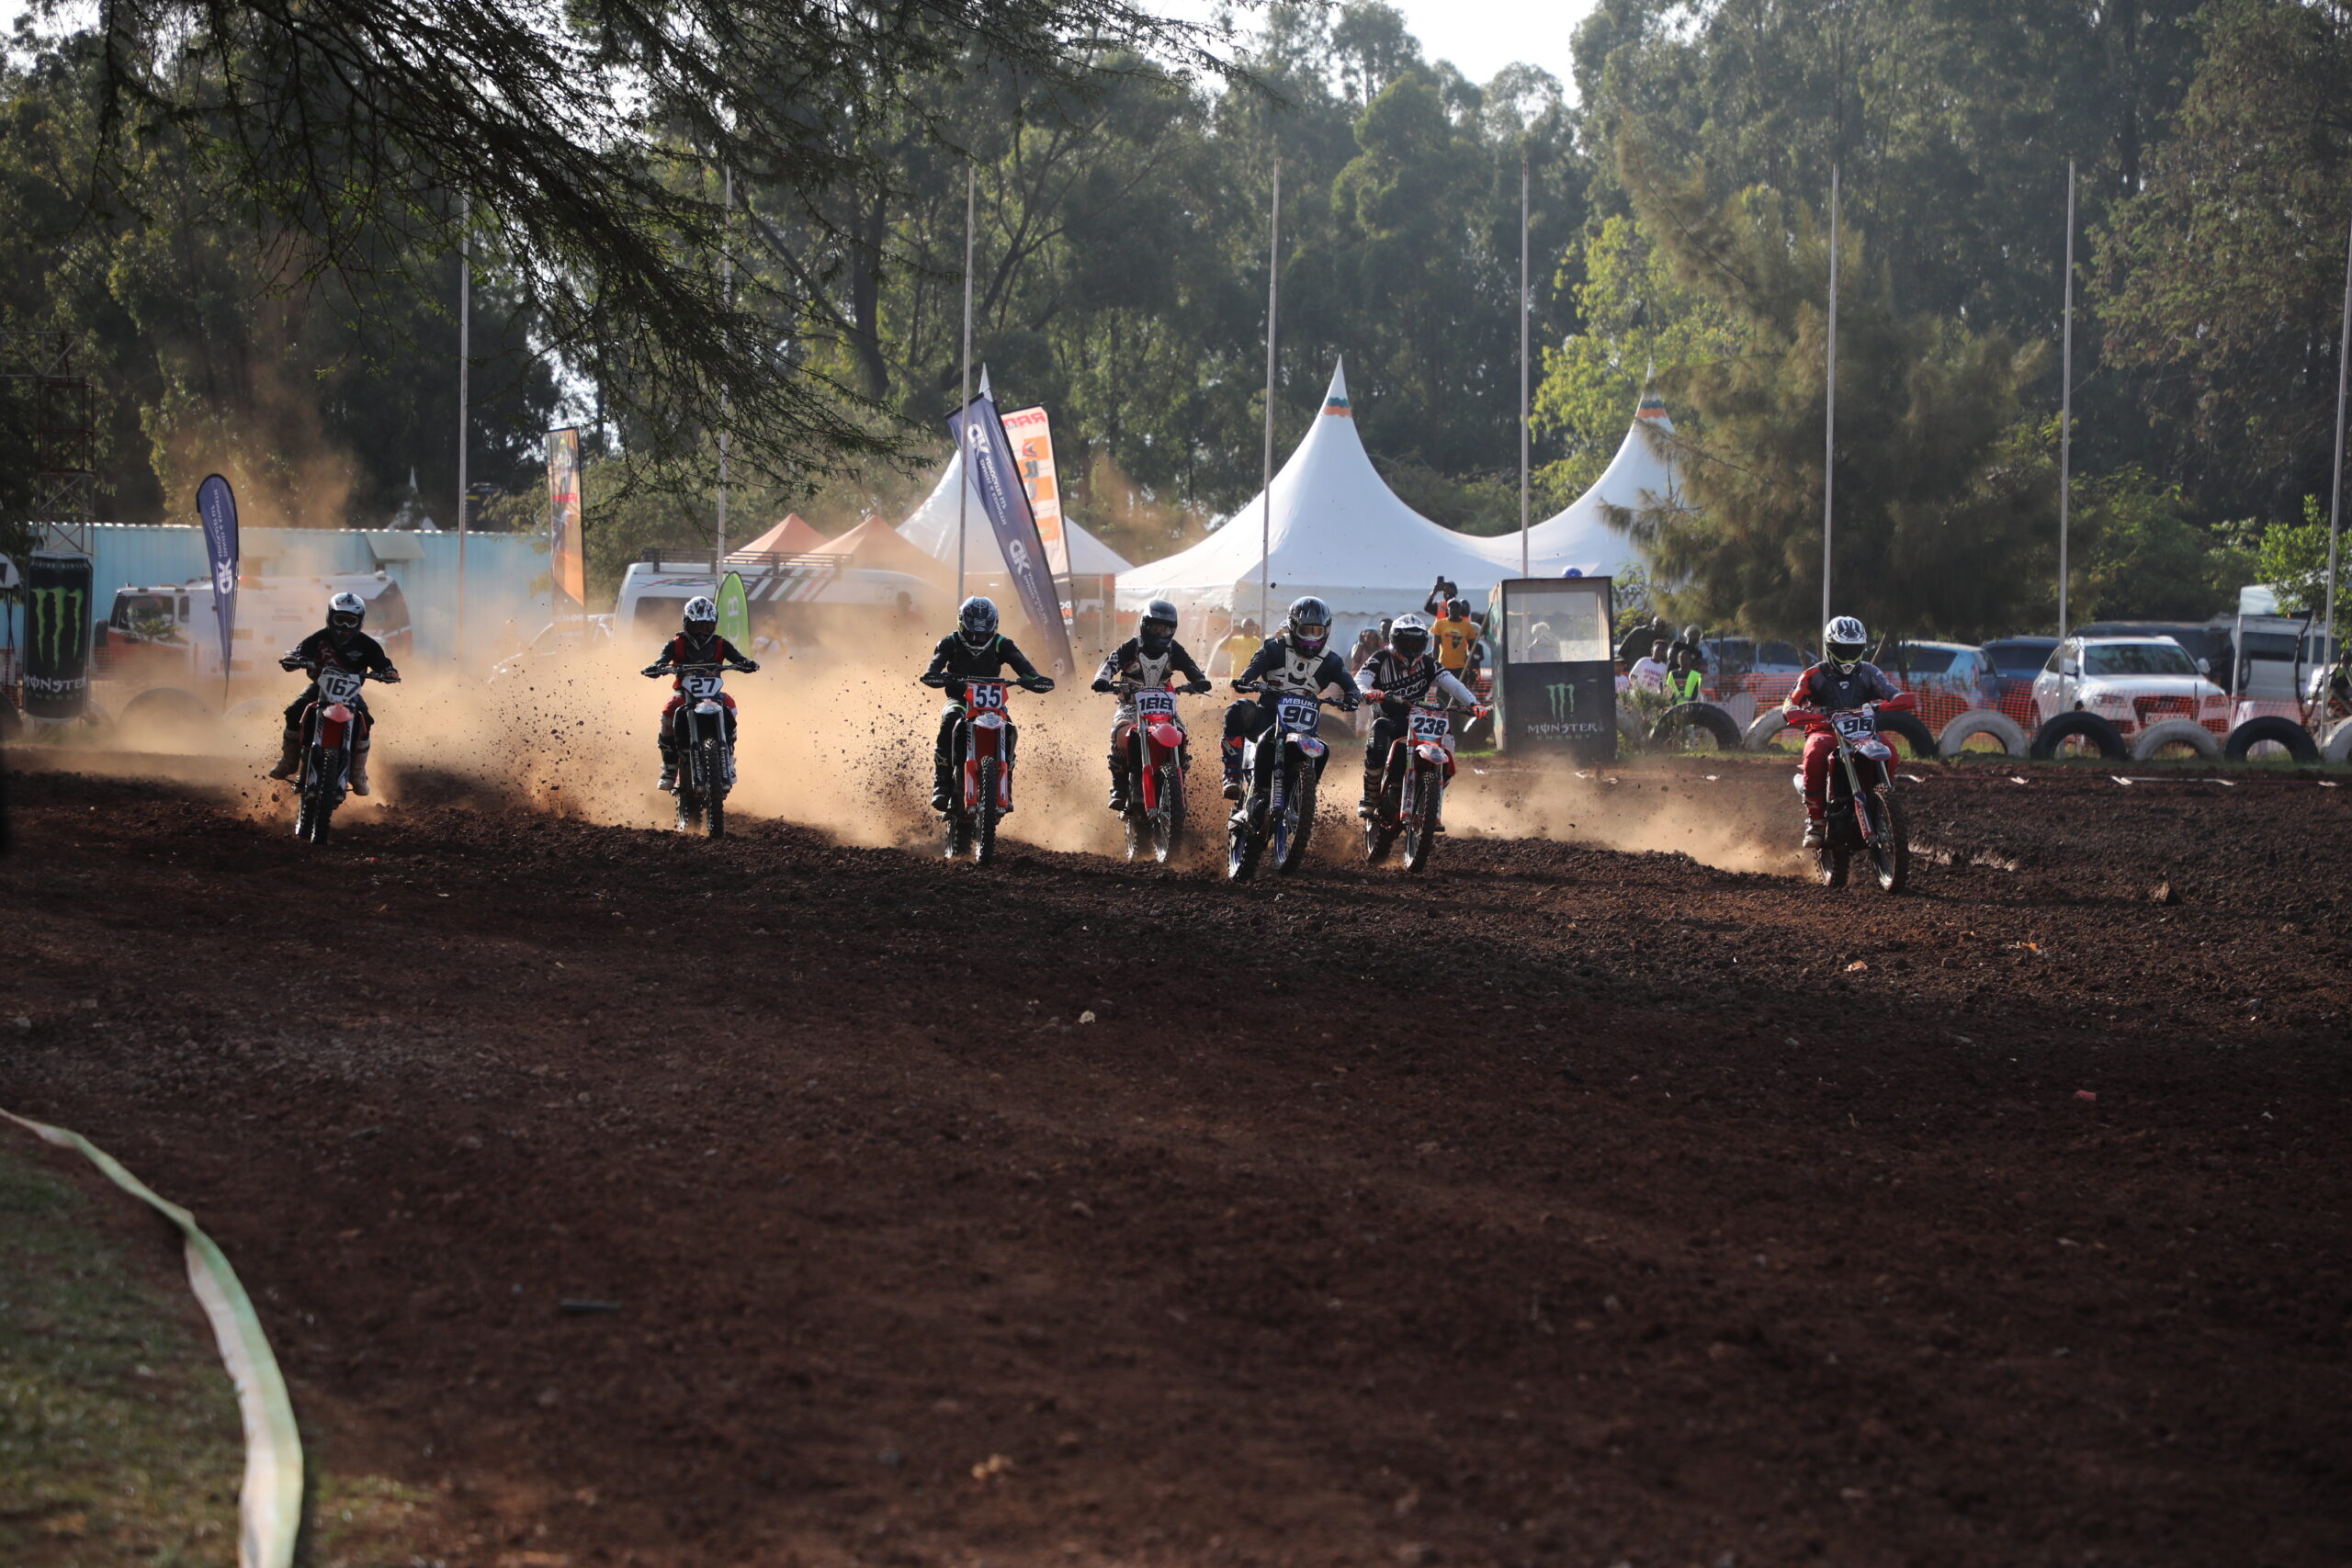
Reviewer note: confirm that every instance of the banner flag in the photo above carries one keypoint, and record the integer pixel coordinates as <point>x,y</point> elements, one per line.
<point>1031,436</point>
<point>566,564</point>
<point>734,612</point>
<point>217,505</point>
<point>57,633</point>
<point>996,481</point>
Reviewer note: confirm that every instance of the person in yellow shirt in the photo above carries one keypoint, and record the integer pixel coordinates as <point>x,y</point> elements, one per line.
<point>1234,654</point>
<point>1453,637</point>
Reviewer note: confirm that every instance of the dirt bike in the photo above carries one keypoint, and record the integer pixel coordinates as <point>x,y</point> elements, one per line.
<point>1279,770</point>
<point>1155,759</point>
<point>1412,788</point>
<point>1862,815</point>
<point>329,731</point>
<point>703,751</point>
<point>983,747</point>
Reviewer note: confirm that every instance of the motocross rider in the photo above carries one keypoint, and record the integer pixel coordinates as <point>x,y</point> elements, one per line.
<point>1145,660</point>
<point>974,648</point>
<point>1397,677</point>
<point>1839,683</point>
<point>342,644</point>
<point>697,642</point>
<point>1298,661</point>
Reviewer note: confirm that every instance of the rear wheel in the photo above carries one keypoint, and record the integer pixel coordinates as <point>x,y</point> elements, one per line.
<point>1891,847</point>
<point>984,819</point>
<point>1242,846</point>
<point>1829,866</point>
<point>1168,828</point>
<point>1420,822</point>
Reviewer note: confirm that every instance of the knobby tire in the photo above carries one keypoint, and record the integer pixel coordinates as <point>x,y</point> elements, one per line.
<point>984,821</point>
<point>1420,829</point>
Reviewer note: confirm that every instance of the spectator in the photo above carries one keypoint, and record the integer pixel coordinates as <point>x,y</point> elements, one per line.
<point>1234,654</point>
<point>1689,642</point>
<point>1441,595</point>
<point>1637,639</point>
<point>1649,671</point>
<point>1682,678</point>
<point>1453,634</point>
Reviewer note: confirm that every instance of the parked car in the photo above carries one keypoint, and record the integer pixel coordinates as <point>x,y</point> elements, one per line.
<point>1949,677</point>
<point>2130,681</point>
<point>2017,662</point>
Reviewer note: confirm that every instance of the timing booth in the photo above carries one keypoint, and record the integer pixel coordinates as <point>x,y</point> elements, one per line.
<point>1555,685</point>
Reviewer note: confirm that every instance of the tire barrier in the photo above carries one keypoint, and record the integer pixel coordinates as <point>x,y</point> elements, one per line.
<point>1913,731</point>
<point>2176,732</point>
<point>1762,728</point>
<point>2271,727</point>
<point>1719,725</point>
<point>2338,748</point>
<point>1992,722</point>
<point>269,1506</point>
<point>2068,726</point>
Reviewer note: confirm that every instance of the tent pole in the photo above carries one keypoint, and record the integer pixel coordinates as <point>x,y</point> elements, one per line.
<point>1524,301</point>
<point>2066,408</point>
<point>2336,506</point>
<point>1266,517</point>
<point>963,472</point>
<point>1829,434</point>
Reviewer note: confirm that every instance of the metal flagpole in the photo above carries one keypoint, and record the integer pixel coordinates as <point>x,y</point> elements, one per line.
<point>464,372</point>
<point>1524,303</point>
<point>727,260</point>
<point>1266,519</point>
<point>2066,408</point>
<point>1829,436</point>
<point>963,465</point>
<point>2335,507</point>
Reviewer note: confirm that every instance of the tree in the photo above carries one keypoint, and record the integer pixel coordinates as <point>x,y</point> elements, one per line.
<point>1945,514</point>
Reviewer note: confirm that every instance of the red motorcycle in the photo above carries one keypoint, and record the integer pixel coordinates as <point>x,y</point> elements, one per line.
<point>1862,816</point>
<point>983,747</point>
<point>330,727</point>
<point>1156,758</point>
<point>1412,788</point>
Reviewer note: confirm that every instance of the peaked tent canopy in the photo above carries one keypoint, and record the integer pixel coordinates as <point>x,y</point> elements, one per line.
<point>792,537</point>
<point>876,544</point>
<point>932,530</point>
<point>1338,533</point>
<point>1578,538</point>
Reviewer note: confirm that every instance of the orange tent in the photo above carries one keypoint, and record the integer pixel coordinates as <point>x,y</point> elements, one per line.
<point>876,544</point>
<point>792,537</point>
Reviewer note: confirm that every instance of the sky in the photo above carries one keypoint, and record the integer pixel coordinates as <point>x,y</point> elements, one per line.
<point>1480,37</point>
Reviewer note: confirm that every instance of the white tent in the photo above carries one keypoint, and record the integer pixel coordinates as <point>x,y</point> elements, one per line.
<point>1338,533</point>
<point>932,530</point>
<point>1579,538</point>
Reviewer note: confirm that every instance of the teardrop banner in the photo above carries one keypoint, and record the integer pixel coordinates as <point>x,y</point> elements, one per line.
<point>734,612</point>
<point>996,481</point>
<point>216,504</point>
<point>565,565</point>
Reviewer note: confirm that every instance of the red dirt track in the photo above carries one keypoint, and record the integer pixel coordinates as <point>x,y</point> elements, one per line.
<point>1637,1211</point>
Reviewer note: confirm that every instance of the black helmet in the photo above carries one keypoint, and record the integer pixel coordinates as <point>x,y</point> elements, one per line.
<point>976,621</point>
<point>701,619</point>
<point>346,613</point>
<point>1409,637</point>
<point>1458,608</point>
<point>1157,628</point>
<point>1310,624</point>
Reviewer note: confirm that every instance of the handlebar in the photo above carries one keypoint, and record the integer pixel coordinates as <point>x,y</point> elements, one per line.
<point>311,668</point>
<point>1038,683</point>
<point>1345,704</point>
<point>1130,688</point>
<point>655,671</point>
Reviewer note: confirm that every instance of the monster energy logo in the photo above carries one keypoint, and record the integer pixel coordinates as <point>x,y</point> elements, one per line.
<point>1564,702</point>
<point>55,611</point>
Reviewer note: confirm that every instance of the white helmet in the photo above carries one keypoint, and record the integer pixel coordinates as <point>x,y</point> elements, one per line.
<point>701,619</point>
<point>1410,636</point>
<point>1845,641</point>
<point>346,613</point>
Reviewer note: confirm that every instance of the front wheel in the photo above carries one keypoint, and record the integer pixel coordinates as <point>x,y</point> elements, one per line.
<point>714,775</point>
<point>1889,842</point>
<point>1421,818</point>
<point>1168,828</point>
<point>1242,846</point>
<point>984,817</point>
<point>318,797</point>
<point>1297,824</point>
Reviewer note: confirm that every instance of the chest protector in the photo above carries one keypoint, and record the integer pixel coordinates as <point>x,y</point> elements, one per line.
<point>1148,670</point>
<point>1297,672</point>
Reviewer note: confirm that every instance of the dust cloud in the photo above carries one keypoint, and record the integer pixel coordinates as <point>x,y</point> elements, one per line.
<point>1645,811</point>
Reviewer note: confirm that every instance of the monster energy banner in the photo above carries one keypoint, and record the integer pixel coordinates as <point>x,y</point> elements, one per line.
<point>57,634</point>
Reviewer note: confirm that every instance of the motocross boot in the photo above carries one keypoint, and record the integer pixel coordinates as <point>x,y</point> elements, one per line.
<point>359,767</point>
<point>1120,805</point>
<point>1370,806</point>
<point>290,755</point>
<point>1816,832</point>
<point>943,787</point>
<point>1233,770</point>
<point>668,781</point>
